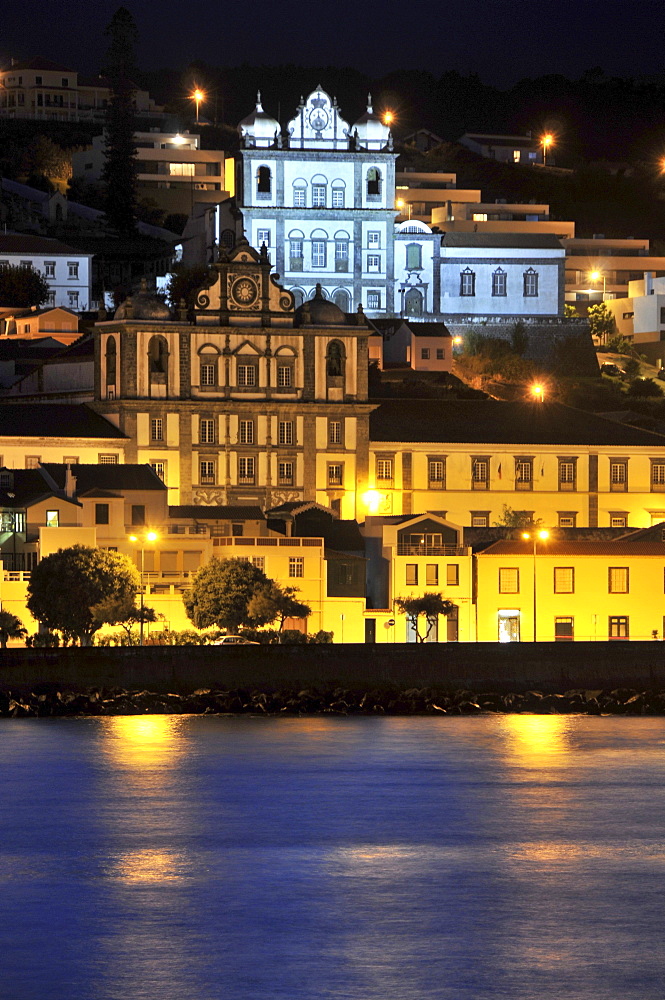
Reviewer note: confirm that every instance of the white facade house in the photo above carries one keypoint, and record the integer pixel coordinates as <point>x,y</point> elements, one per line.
<point>322,200</point>
<point>67,271</point>
<point>492,274</point>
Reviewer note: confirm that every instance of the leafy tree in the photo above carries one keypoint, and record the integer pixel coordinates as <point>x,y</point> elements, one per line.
<point>11,627</point>
<point>221,593</point>
<point>274,603</point>
<point>570,312</point>
<point>121,610</point>
<point>601,322</point>
<point>618,345</point>
<point>643,387</point>
<point>120,167</point>
<point>632,368</point>
<point>65,586</point>
<point>509,518</point>
<point>184,283</point>
<point>22,286</point>
<point>429,607</point>
<point>43,157</point>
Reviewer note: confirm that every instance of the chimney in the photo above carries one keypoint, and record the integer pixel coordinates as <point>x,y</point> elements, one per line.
<point>70,482</point>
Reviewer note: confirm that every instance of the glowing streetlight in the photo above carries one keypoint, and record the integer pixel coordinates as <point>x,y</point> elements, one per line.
<point>149,536</point>
<point>198,96</point>
<point>543,535</point>
<point>538,392</point>
<point>546,141</point>
<point>388,118</point>
<point>596,276</point>
<point>372,499</point>
<point>401,204</point>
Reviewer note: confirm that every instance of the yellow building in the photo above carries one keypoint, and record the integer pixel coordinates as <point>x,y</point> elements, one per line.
<point>572,590</point>
<point>467,459</point>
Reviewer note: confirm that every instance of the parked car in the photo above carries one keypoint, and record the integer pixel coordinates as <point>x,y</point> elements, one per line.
<point>609,368</point>
<point>234,640</point>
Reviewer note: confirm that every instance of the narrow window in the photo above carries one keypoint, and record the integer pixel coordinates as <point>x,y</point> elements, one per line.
<point>318,253</point>
<point>373,262</point>
<point>285,432</point>
<point>338,197</point>
<point>619,476</point>
<point>658,475</point>
<point>374,240</point>
<point>334,431</point>
<point>567,474</point>
<point>432,575</point>
<point>467,282</point>
<point>424,353</point>
<point>373,182</point>
<point>452,575</point>
<point>246,471</point>
<point>207,475</point>
<point>206,430</point>
<point>335,474</point>
<point>156,429</point>
<point>296,566</point>
<point>285,473</point>
<point>523,473</point>
<point>412,574</point>
<point>384,468</point>
<point>246,375</point>
<point>159,468</point>
<point>52,519</point>
<point>246,432</point>
<point>263,180</point>
<point>208,373</point>
<point>530,284</point>
<point>101,513</point>
<point>284,379</point>
<point>414,257</point>
<point>263,236</point>
<point>499,282</point>
<point>436,473</point>
<point>138,515</point>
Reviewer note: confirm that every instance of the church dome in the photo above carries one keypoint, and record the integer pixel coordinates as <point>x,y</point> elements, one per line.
<point>143,305</point>
<point>259,128</point>
<point>319,311</point>
<point>369,131</point>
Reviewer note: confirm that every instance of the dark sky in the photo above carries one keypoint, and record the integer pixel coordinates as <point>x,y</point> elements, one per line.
<point>501,40</point>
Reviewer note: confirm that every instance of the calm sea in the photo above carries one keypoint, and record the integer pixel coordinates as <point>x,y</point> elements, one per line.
<point>196,858</point>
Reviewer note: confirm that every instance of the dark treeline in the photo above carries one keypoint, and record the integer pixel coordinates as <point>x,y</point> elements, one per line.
<point>595,118</point>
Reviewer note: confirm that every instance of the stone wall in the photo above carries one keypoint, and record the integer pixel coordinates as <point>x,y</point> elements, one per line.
<point>562,346</point>
<point>480,667</point>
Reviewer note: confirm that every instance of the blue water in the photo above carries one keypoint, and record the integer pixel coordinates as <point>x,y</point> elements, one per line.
<point>193,858</point>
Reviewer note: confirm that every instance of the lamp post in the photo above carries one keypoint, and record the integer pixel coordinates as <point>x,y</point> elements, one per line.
<point>538,392</point>
<point>150,536</point>
<point>535,535</point>
<point>197,96</point>
<point>547,141</point>
<point>596,276</point>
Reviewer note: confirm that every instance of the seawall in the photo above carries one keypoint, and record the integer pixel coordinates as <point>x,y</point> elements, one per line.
<point>479,667</point>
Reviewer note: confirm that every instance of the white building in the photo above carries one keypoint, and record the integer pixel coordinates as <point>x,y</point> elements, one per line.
<point>172,169</point>
<point>322,200</point>
<point>67,271</point>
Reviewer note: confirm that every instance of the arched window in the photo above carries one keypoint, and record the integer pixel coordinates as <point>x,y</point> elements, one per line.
<point>312,293</point>
<point>341,250</point>
<point>208,366</point>
<point>296,250</point>
<point>373,182</point>
<point>530,283</point>
<point>263,180</point>
<point>414,257</point>
<point>111,359</point>
<point>467,282</point>
<point>413,302</point>
<point>319,191</point>
<point>298,297</point>
<point>338,193</point>
<point>299,193</point>
<point>342,299</point>
<point>335,358</point>
<point>227,239</point>
<point>158,356</point>
<point>319,248</point>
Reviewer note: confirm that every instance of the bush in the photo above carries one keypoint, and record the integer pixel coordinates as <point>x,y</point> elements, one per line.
<point>643,387</point>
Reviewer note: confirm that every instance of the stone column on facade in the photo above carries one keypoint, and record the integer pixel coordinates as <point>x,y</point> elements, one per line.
<point>362,460</point>
<point>185,446</point>
<point>227,454</point>
<point>593,490</point>
<point>309,458</point>
<point>309,367</point>
<point>128,364</point>
<point>128,427</point>
<point>185,351</point>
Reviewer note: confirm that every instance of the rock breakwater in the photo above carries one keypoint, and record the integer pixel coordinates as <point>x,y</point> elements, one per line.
<point>49,702</point>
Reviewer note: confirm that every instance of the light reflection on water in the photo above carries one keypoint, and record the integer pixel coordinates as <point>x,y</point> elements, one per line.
<point>194,858</point>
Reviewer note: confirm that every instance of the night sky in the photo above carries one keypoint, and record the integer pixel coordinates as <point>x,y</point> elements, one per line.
<point>501,40</point>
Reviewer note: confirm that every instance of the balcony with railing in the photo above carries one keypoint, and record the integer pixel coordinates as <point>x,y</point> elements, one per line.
<point>407,549</point>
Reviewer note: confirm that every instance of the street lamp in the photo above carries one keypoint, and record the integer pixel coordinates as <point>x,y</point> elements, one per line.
<point>401,204</point>
<point>150,536</point>
<point>538,392</point>
<point>198,96</point>
<point>547,141</point>
<point>543,534</point>
<point>388,118</point>
<point>596,276</point>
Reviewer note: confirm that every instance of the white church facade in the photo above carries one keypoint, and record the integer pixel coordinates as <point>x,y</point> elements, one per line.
<point>320,195</point>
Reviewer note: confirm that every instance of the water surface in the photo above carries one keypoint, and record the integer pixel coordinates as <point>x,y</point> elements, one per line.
<point>195,858</point>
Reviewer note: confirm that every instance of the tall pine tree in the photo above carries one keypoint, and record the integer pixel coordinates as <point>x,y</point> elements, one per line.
<point>120,169</point>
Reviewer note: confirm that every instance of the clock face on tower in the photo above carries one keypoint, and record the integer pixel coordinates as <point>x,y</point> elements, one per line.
<point>318,119</point>
<point>244,291</point>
